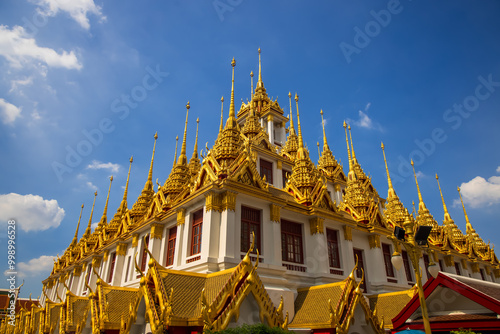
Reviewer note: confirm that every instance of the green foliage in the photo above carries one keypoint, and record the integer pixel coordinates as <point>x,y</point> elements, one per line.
<point>252,329</point>
<point>463,331</point>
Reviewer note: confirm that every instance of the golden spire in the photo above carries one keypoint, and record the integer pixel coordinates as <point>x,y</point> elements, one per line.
<point>125,193</point>
<point>182,158</point>
<point>446,214</point>
<point>75,238</point>
<point>251,84</point>
<point>317,144</point>
<point>325,143</point>
<point>88,230</point>
<point>301,142</point>
<point>175,156</point>
<point>260,83</point>
<point>468,225</point>
<point>292,129</point>
<point>149,183</point>
<point>391,191</point>
<point>420,200</point>
<point>221,114</point>
<point>104,217</point>
<point>231,105</point>
<point>352,146</point>
<point>351,173</point>
<point>195,150</point>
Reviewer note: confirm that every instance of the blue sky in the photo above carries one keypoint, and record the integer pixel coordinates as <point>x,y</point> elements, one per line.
<point>421,76</point>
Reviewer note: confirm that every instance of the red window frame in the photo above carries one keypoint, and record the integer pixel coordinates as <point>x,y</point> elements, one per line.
<point>145,246</point>
<point>266,168</point>
<point>332,240</point>
<point>389,269</point>
<point>196,232</point>
<point>291,242</point>
<point>112,267</point>
<point>407,265</point>
<point>172,235</point>
<point>250,222</point>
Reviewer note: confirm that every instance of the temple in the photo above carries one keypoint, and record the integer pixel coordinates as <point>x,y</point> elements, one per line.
<point>253,231</point>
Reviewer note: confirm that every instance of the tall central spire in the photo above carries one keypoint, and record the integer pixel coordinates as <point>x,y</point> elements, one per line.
<point>231,105</point>
<point>446,214</point>
<point>301,152</point>
<point>124,205</point>
<point>104,217</point>
<point>391,191</point>
<point>325,143</point>
<point>260,83</point>
<point>468,225</point>
<point>150,174</point>
<point>175,155</point>
<point>88,230</point>
<point>183,158</point>
<point>75,238</point>
<point>351,175</point>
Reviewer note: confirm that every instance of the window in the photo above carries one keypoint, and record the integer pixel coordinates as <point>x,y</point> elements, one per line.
<point>128,268</point>
<point>172,235</point>
<point>250,222</point>
<point>144,258</point>
<point>386,250</point>
<point>483,277</point>
<point>440,265</point>
<point>407,265</point>
<point>358,255</point>
<point>196,232</point>
<point>284,175</point>
<point>291,242</point>
<point>332,239</point>
<point>112,267</point>
<point>70,281</point>
<point>266,169</point>
<point>426,264</point>
<point>457,268</point>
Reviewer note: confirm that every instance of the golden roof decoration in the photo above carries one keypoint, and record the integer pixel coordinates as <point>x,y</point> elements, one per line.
<point>115,223</point>
<point>292,142</point>
<point>424,217</point>
<point>180,176</point>
<point>327,164</point>
<point>104,218</point>
<point>75,238</point>
<point>304,183</point>
<point>394,209</point>
<point>140,207</point>
<point>194,163</point>
<point>88,230</point>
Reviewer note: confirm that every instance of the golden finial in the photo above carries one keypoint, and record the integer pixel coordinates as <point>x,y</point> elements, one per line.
<point>221,113</point>
<point>352,146</point>
<point>389,181</point>
<point>195,151</point>
<point>301,142</point>
<point>468,225</point>
<point>260,83</point>
<point>446,214</point>
<point>231,105</point>
<point>421,201</point>
<point>182,158</point>
<point>125,193</point>
<point>77,227</point>
<point>88,230</point>
<point>413,212</point>
<point>104,217</point>
<point>348,151</point>
<point>150,174</point>
<point>292,129</point>
<point>317,144</point>
<point>251,84</point>
<point>325,143</point>
<point>176,142</point>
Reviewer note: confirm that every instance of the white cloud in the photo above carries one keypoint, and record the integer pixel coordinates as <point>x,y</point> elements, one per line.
<point>77,9</point>
<point>101,165</point>
<point>18,48</point>
<point>480,192</point>
<point>34,267</point>
<point>420,175</point>
<point>498,169</point>
<point>15,84</point>
<point>91,186</point>
<point>93,226</point>
<point>9,112</point>
<point>31,212</point>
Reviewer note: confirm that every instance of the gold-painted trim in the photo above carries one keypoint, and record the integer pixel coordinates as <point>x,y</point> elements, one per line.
<point>347,232</point>
<point>229,201</point>
<point>448,260</point>
<point>157,230</point>
<point>212,201</point>
<point>475,267</point>
<point>121,248</point>
<point>105,256</point>
<point>275,213</point>
<point>96,262</point>
<point>181,216</point>
<point>464,264</point>
<point>135,239</point>
<point>316,225</point>
<point>374,240</point>
<point>279,164</point>
<point>77,271</point>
